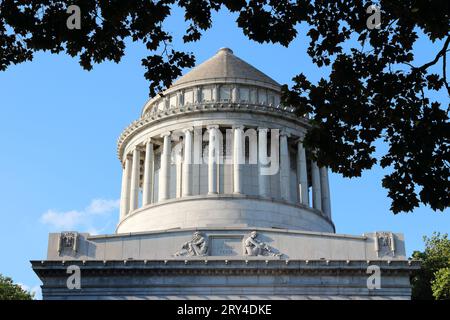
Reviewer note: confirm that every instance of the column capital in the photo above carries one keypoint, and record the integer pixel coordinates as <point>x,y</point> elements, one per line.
<point>127,157</point>
<point>240,127</point>
<point>285,133</point>
<point>212,127</point>
<point>188,129</point>
<point>299,140</point>
<point>262,129</point>
<point>139,147</point>
<point>149,140</point>
<point>165,134</point>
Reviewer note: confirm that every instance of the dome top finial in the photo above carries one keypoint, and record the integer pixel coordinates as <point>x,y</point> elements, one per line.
<point>225,50</point>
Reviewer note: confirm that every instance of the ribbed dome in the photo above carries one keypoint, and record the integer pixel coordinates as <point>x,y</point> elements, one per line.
<point>225,65</point>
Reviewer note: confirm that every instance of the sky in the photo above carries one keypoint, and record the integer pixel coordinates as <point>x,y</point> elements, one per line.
<point>59,126</point>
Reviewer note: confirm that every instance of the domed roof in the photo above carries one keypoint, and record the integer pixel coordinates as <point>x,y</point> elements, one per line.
<point>225,65</point>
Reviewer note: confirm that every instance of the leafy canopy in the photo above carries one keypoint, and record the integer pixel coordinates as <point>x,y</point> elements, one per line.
<point>373,92</point>
<point>11,291</point>
<point>433,279</point>
<point>441,284</point>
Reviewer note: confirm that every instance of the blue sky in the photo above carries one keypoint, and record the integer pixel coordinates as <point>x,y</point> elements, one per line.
<point>59,126</point>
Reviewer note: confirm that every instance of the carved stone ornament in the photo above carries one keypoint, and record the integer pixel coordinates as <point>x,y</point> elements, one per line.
<point>197,246</point>
<point>254,247</point>
<point>68,241</point>
<point>384,243</point>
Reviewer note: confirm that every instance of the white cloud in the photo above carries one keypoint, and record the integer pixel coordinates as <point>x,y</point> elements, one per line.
<point>64,220</point>
<point>81,219</point>
<point>99,206</point>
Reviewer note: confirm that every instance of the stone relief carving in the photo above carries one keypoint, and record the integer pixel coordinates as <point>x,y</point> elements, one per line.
<point>197,246</point>
<point>254,247</point>
<point>384,243</point>
<point>68,240</point>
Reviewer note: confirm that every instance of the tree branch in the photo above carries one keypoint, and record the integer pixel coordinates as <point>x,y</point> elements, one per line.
<point>438,56</point>
<point>444,72</point>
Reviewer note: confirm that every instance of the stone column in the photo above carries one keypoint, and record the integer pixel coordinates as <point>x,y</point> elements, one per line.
<point>135,176</point>
<point>263,179</point>
<point>178,173</point>
<point>234,94</point>
<point>197,94</point>
<point>147,188</point>
<point>325,188</point>
<point>186,179</point>
<point>164,172</point>
<point>126,183</point>
<point>302,174</point>
<point>238,159</point>
<point>179,98</point>
<point>285,167</point>
<point>316,190</point>
<point>166,103</point>
<point>215,93</point>
<point>213,158</point>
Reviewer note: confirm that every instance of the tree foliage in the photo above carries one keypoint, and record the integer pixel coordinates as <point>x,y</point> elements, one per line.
<point>441,284</point>
<point>374,91</point>
<point>433,279</point>
<point>11,291</point>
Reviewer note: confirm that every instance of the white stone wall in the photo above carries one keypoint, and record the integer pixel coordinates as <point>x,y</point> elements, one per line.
<point>200,104</point>
<point>294,245</point>
<point>256,94</point>
<point>224,210</point>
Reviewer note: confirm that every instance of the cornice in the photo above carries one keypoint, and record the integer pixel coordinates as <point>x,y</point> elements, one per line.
<point>224,266</point>
<point>155,117</point>
<point>176,88</point>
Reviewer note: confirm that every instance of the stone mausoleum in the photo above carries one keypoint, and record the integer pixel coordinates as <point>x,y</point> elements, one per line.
<point>221,200</point>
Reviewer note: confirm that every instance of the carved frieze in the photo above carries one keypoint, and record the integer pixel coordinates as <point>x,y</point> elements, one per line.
<point>384,244</point>
<point>197,246</point>
<point>255,247</point>
<point>68,241</point>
